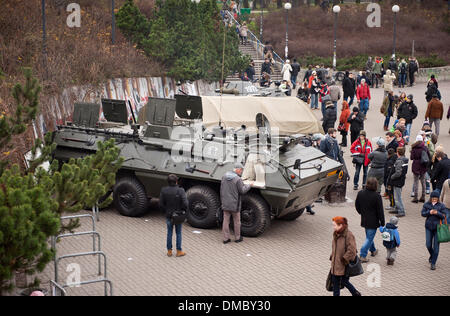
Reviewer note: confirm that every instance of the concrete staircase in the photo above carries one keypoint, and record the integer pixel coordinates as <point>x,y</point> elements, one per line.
<point>250,50</point>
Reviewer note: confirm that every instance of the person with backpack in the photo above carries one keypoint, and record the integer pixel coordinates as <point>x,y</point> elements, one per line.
<point>413,67</point>
<point>402,71</point>
<point>172,200</point>
<point>434,211</point>
<point>397,180</point>
<point>391,239</point>
<point>420,158</point>
<point>432,89</point>
<point>388,109</point>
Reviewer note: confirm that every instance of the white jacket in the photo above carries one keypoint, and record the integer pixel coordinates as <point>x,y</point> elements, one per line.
<point>287,72</point>
<point>388,81</point>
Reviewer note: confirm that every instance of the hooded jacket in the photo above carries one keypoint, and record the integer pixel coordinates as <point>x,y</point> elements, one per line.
<point>231,189</point>
<point>363,92</point>
<point>398,172</point>
<point>416,157</point>
<point>345,114</point>
<point>394,231</point>
<point>357,148</point>
<point>330,117</point>
<point>378,158</point>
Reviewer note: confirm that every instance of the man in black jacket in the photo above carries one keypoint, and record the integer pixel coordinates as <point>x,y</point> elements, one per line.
<point>349,87</point>
<point>330,117</point>
<point>356,121</point>
<point>294,73</point>
<point>408,111</point>
<point>442,170</point>
<point>370,206</point>
<point>172,199</point>
<point>397,181</point>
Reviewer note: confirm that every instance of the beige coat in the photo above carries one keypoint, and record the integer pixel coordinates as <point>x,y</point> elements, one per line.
<point>445,194</point>
<point>388,79</point>
<point>343,251</point>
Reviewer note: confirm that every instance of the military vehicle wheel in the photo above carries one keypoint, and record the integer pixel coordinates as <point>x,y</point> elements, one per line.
<point>203,205</point>
<point>130,198</point>
<point>292,216</point>
<point>255,215</point>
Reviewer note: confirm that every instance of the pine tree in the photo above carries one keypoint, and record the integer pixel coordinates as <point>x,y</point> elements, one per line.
<point>32,200</point>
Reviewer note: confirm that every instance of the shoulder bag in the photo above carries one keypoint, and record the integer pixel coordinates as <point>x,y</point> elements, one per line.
<point>354,268</point>
<point>443,232</point>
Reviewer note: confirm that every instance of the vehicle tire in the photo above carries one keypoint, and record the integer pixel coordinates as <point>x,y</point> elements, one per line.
<point>203,205</point>
<point>130,197</point>
<point>292,216</point>
<point>255,215</point>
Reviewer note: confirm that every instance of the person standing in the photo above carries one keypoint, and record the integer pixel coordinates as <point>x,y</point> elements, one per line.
<point>349,87</point>
<point>370,71</point>
<point>370,206</point>
<point>173,199</point>
<point>356,121</point>
<point>231,189</point>
<point>324,95</point>
<point>445,197</point>
<point>378,159</point>
<point>389,192</point>
<point>314,85</point>
<point>434,211</point>
<point>408,111</point>
<point>360,150</point>
<point>330,117</point>
<point>286,71</point>
<point>388,109</point>
<point>343,251</point>
<point>377,71</point>
<point>419,168</point>
<point>243,33</point>
<point>435,113</point>
<point>335,93</point>
<point>344,125</point>
<point>397,181</point>
<point>413,67</point>
<point>442,171</point>
<point>388,84</point>
<point>308,73</point>
<point>402,72</point>
<point>329,146</point>
<point>294,73</point>
<point>363,96</point>
<point>391,142</point>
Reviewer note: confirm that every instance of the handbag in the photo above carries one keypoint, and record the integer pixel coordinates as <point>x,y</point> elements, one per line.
<point>443,232</point>
<point>359,160</point>
<point>329,283</point>
<point>341,127</point>
<point>354,268</point>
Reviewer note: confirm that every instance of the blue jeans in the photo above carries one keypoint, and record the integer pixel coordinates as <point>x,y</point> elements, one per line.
<point>408,130</point>
<point>401,79</point>
<point>323,108</point>
<point>432,244</point>
<point>388,117</point>
<point>357,172</point>
<point>294,81</point>
<point>368,245</point>
<point>351,100</point>
<point>314,101</point>
<point>399,207</point>
<point>337,280</point>
<point>170,233</point>
<point>364,106</point>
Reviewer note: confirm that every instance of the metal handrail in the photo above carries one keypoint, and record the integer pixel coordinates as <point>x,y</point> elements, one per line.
<point>256,42</point>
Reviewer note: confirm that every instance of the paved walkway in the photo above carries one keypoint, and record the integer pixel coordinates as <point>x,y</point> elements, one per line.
<point>290,258</point>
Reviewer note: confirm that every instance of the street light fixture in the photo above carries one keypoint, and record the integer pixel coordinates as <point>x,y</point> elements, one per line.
<point>395,9</point>
<point>336,10</point>
<point>287,6</point>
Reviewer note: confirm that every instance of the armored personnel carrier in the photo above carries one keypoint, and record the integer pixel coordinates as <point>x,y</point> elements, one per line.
<point>171,139</point>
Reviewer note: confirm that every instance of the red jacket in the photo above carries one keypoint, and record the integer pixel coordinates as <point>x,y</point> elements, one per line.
<point>345,114</point>
<point>357,148</point>
<point>363,92</point>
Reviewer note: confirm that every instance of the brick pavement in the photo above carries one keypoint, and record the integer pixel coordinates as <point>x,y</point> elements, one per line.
<point>290,258</point>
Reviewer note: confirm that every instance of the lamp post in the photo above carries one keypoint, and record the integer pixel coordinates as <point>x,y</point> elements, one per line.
<point>287,6</point>
<point>336,10</point>
<point>395,9</point>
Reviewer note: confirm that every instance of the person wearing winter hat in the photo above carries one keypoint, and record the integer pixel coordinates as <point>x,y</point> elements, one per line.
<point>434,211</point>
<point>378,160</point>
<point>391,239</point>
<point>419,168</point>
